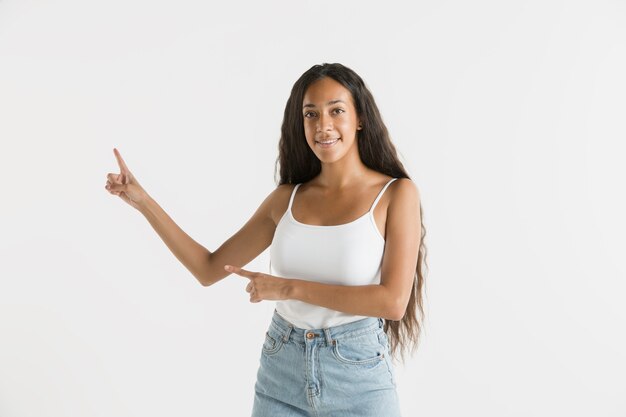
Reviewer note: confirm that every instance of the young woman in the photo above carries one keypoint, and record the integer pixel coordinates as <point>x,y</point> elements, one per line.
<point>344,227</point>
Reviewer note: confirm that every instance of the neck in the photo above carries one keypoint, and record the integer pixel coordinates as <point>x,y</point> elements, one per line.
<point>342,174</point>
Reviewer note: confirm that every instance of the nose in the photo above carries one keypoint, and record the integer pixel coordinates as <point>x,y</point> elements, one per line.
<point>324,122</point>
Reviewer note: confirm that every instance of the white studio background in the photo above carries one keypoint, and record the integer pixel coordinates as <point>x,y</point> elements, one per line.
<point>509,116</point>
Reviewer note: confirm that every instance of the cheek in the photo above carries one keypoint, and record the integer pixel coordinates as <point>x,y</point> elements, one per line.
<point>346,125</point>
<point>309,130</point>
<point>347,119</point>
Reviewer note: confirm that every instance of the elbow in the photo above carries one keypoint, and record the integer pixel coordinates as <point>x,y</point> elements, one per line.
<point>204,274</point>
<point>395,304</point>
<point>396,315</point>
<point>205,281</point>
<point>396,312</point>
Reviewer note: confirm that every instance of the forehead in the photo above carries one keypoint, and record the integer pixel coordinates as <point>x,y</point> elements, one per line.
<point>320,92</point>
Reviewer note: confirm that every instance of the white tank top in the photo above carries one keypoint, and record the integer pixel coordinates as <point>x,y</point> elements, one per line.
<point>343,254</point>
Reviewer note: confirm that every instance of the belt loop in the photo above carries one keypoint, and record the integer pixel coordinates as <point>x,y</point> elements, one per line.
<point>286,335</point>
<point>329,339</point>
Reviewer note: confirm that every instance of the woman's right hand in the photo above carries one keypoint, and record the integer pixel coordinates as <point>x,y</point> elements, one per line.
<point>125,185</point>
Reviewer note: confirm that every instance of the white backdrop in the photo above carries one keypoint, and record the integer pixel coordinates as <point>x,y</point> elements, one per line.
<point>509,116</point>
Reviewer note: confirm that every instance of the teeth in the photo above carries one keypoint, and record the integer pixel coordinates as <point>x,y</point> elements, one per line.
<point>330,141</point>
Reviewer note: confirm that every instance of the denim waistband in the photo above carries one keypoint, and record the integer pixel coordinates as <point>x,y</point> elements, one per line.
<point>287,330</point>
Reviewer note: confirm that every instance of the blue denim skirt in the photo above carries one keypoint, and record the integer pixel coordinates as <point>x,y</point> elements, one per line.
<point>340,371</point>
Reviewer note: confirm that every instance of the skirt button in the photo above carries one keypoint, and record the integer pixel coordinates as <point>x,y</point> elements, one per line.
<point>310,335</point>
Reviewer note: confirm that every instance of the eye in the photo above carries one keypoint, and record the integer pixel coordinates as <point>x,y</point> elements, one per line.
<point>340,110</point>
<point>307,113</point>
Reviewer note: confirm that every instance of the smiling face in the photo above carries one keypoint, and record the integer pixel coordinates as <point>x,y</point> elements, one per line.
<point>329,116</point>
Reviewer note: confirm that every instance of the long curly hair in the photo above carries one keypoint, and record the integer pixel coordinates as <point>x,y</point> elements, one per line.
<point>299,164</point>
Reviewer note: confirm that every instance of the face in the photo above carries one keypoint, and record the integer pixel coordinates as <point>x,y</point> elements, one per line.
<point>330,116</point>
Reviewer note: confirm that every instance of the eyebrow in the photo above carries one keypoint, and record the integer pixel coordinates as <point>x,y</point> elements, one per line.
<point>331,102</point>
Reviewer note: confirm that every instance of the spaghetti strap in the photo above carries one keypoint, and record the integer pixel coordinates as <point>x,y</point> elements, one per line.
<point>380,194</point>
<point>293,193</point>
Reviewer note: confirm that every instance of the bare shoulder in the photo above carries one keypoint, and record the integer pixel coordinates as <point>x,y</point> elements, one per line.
<point>404,192</point>
<point>405,185</point>
<point>279,200</point>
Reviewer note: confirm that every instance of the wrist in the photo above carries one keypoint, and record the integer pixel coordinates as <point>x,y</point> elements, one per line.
<point>145,204</point>
<point>294,289</point>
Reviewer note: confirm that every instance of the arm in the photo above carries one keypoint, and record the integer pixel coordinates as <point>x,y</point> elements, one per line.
<point>362,300</point>
<point>207,267</point>
<point>189,252</point>
<point>389,299</point>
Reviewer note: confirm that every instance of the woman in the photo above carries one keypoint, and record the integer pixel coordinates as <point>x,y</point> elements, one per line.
<point>346,235</point>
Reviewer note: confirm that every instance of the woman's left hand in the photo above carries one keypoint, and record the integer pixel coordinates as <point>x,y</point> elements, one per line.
<point>263,286</point>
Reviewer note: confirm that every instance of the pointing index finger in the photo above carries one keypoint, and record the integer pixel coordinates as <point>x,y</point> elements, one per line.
<point>236,270</point>
<point>120,161</point>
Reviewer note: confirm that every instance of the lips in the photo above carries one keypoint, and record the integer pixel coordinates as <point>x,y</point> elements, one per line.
<point>326,141</point>
<point>327,145</point>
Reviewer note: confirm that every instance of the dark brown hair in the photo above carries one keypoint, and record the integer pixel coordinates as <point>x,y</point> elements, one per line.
<point>299,164</point>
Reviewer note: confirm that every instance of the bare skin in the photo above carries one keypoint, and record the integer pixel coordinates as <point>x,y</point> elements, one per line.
<point>133,193</point>
<point>341,193</point>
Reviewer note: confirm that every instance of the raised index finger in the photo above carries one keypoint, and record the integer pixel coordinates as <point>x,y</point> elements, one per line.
<point>120,161</point>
